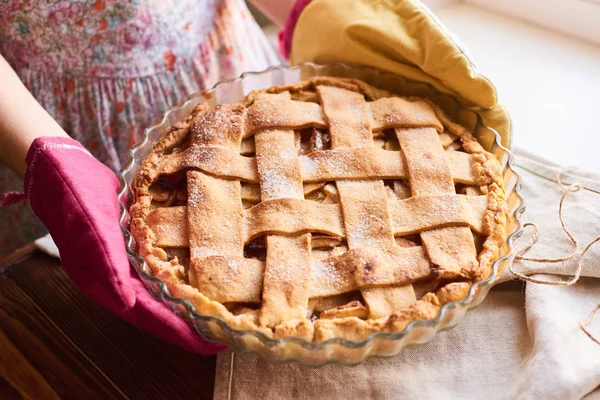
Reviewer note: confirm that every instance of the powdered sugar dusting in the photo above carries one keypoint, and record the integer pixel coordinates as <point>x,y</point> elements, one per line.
<point>203,251</point>
<point>279,172</point>
<point>325,271</point>
<point>199,156</point>
<point>232,270</point>
<point>339,163</point>
<point>289,153</point>
<point>366,230</point>
<point>195,197</point>
<point>276,186</point>
<point>280,272</point>
<point>308,164</point>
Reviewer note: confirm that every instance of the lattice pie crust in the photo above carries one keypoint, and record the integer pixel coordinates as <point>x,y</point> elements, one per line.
<point>323,209</point>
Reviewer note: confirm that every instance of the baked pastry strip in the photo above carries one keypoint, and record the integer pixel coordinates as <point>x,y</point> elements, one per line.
<point>214,209</point>
<point>385,113</point>
<point>317,166</point>
<point>451,250</point>
<point>288,266</point>
<point>364,203</point>
<point>292,216</point>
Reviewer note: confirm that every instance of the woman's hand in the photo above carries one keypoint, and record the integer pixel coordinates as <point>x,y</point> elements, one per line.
<point>276,10</point>
<point>402,37</point>
<point>75,196</point>
<point>22,120</point>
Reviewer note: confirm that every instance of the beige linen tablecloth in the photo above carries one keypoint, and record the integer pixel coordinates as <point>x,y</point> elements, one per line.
<point>523,342</point>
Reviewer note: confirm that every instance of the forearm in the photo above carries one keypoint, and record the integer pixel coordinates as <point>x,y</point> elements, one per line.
<point>276,10</point>
<point>22,120</point>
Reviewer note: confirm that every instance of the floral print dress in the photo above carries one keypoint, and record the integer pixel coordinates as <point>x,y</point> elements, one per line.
<point>106,69</point>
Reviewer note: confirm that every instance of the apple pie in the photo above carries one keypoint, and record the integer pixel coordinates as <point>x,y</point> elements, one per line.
<point>324,209</point>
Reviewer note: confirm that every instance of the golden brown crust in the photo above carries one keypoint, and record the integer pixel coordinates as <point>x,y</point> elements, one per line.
<point>220,155</point>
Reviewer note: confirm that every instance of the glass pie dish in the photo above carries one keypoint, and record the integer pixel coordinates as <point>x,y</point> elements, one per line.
<point>339,350</point>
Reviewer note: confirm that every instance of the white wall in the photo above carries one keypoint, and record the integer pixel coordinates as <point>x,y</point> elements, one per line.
<point>580,18</point>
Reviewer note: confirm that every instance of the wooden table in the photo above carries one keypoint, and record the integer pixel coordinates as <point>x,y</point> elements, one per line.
<point>55,343</point>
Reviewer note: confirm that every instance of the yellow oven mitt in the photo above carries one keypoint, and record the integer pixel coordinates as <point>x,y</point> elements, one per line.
<point>402,37</point>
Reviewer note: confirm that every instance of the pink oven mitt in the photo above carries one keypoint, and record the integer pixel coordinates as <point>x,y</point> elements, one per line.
<point>75,196</point>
